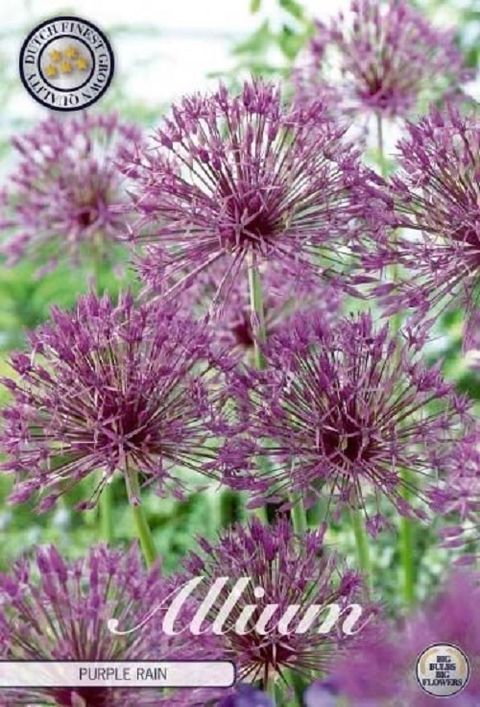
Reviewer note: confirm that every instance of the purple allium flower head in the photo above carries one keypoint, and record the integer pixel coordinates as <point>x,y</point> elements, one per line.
<point>381,671</point>
<point>64,196</point>
<point>459,496</point>
<point>111,387</point>
<point>390,55</point>
<point>232,179</point>
<point>462,483</point>
<point>284,569</point>
<point>375,671</point>
<point>437,194</point>
<point>342,410</point>
<point>247,696</point>
<point>58,610</point>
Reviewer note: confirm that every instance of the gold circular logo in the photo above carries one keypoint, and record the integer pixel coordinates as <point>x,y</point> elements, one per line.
<point>443,670</point>
<point>66,63</point>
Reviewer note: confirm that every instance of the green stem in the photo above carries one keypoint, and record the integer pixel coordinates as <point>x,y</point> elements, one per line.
<point>408,560</point>
<point>106,520</point>
<point>98,256</point>
<point>144,533</point>
<point>407,534</point>
<point>259,331</point>
<point>406,549</point>
<point>299,516</point>
<point>298,686</point>
<point>380,146</point>
<point>231,509</point>
<point>261,514</point>
<point>363,551</point>
<point>257,310</point>
<point>259,335</point>
<point>268,685</point>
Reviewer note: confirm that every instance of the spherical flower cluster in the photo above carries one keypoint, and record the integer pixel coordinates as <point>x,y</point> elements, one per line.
<point>339,413</point>
<point>381,672</point>
<point>65,193</point>
<point>437,196</point>
<point>285,570</point>
<point>238,180</point>
<point>58,610</point>
<point>458,498</point>
<point>110,387</point>
<point>389,54</point>
<point>462,484</point>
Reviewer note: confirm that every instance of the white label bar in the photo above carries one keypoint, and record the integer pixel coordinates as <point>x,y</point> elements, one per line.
<point>147,673</point>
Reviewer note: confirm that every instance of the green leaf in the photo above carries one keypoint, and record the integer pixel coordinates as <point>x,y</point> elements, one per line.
<point>290,42</point>
<point>255,6</point>
<point>294,8</point>
<point>258,42</point>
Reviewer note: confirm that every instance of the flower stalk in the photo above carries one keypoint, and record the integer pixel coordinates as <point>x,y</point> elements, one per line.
<point>298,514</point>
<point>406,532</point>
<point>143,530</point>
<point>361,542</point>
<point>106,516</point>
<point>257,312</point>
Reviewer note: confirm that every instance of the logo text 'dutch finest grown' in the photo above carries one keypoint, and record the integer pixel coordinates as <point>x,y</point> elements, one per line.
<point>66,63</point>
